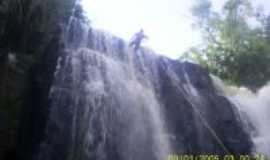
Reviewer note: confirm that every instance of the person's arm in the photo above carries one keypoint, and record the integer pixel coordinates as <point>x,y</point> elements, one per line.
<point>145,37</point>
<point>133,38</point>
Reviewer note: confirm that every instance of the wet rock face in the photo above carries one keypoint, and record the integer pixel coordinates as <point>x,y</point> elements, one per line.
<point>34,114</point>
<point>210,126</point>
<point>104,101</point>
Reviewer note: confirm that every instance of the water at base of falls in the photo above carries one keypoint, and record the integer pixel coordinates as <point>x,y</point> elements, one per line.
<point>255,113</point>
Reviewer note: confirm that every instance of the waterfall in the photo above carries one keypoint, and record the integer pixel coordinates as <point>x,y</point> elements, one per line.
<point>254,109</point>
<point>104,102</point>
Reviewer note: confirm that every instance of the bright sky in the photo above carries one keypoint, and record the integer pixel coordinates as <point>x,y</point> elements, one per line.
<point>166,22</point>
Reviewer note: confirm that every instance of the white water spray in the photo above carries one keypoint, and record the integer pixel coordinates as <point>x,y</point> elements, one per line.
<point>112,98</point>
<point>255,113</point>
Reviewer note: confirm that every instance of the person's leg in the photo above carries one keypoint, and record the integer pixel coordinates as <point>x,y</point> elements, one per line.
<point>137,45</point>
<point>132,43</point>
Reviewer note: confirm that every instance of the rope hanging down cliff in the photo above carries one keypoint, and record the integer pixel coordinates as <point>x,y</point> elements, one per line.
<point>187,93</point>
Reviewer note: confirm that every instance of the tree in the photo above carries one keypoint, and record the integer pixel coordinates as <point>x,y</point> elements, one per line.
<point>234,50</point>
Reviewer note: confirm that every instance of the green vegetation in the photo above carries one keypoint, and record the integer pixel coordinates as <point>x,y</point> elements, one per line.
<point>236,42</point>
<point>28,25</point>
<point>26,28</point>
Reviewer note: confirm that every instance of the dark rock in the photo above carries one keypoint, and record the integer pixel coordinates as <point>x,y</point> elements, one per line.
<point>4,120</point>
<point>198,123</point>
<point>34,114</point>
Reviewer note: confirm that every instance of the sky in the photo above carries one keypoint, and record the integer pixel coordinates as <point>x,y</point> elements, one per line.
<point>167,23</point>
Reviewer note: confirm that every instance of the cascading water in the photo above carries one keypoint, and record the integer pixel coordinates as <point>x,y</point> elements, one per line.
<point>254,109</point>
<point>108,102</point>
<point>100,101</point>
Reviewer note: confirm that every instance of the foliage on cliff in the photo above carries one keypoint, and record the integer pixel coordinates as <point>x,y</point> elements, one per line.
<point>26,28</point>
<point>236,42</point>
<point>28,25</point>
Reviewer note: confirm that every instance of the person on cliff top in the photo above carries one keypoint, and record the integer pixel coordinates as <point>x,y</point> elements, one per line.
<point>137,39</point>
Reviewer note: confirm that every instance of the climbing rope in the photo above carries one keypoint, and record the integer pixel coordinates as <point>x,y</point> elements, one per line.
<point>204,121</point>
